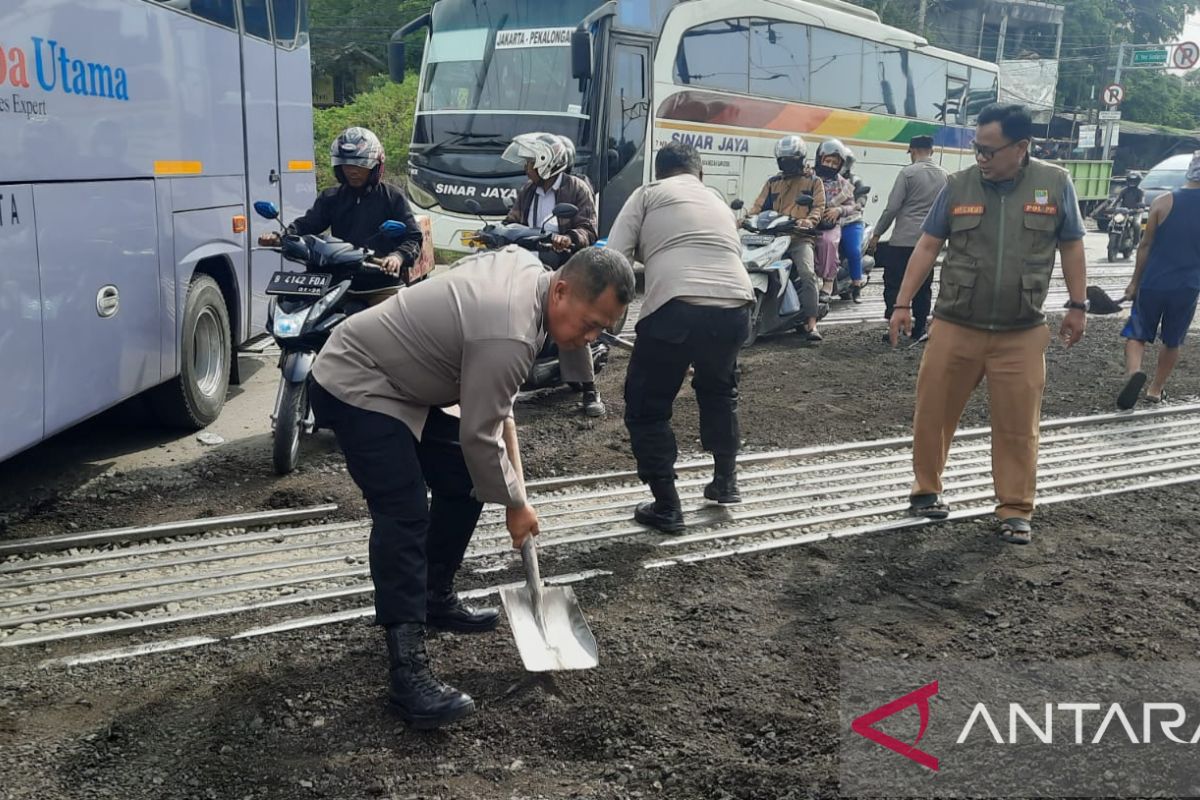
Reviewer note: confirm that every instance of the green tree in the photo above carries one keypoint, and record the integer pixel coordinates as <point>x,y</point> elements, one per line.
<point>367,24</point>
<point>387,109</point>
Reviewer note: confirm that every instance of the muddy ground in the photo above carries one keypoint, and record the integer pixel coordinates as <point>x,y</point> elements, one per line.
<point>718,681</point>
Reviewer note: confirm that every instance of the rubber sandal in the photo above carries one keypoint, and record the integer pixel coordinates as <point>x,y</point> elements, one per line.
<point>1128,397</point>
<point>1157,400</point>
<point>1016,530</point>
<point>929,506</point>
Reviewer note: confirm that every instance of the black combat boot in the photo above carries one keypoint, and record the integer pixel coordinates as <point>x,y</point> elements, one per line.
<point>724,488</point>
<point>420,699</point>
<point>664,512</point>
<point>445,611</point>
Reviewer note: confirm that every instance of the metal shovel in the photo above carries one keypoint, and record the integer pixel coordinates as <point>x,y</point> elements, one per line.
<point>546,622</point>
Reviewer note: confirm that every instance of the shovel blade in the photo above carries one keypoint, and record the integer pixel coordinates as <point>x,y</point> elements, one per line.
<point>565,643</point>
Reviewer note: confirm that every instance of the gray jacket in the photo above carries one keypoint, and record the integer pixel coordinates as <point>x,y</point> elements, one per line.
<point>917,187</point>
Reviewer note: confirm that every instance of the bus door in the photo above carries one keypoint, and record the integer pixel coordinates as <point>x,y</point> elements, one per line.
<point>262,147</point>
<point>622,143</point>
<point>294,93</point>
<point>21,421</point>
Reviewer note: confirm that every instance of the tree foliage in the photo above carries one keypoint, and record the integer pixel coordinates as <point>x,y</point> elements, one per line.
<point>368,24</point>
<point>387,109</point>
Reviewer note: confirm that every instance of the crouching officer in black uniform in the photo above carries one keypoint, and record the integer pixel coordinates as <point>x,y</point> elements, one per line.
<point>384,384</point>
<point>354,210</point>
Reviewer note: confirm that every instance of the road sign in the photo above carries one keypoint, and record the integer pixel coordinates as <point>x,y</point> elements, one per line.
<point>1156,56</point>
<point>1113,94</point>
<point>1186,55</point>
<point>1087,136</point>
<point>1108,116</point>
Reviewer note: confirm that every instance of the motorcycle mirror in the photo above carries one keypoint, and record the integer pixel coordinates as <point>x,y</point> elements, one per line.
<point>510,201</point>
<point>737,205</point>
<point>473,206</point>
<point>805,200</point>
<point>266,209</point>
<point>862,191</point>
<point>565,210</point>
<point>393,229</point>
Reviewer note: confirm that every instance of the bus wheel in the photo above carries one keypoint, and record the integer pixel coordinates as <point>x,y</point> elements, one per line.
<point>194,399</point>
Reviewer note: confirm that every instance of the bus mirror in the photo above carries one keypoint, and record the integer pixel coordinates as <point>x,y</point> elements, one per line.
<point>581,54</point>
<point>266,209</point>
<point>396,60</point>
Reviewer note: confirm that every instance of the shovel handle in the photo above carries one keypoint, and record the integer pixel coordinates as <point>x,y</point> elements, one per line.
<point>533,578</point>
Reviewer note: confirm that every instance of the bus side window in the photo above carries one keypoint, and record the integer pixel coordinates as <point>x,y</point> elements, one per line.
<point>258,23</point>
<point>627,111</point>
<point>287,18</point>
<point>836,69</point>
<point>218,11</point>
<point>717,55</point>
<point>779,59</point>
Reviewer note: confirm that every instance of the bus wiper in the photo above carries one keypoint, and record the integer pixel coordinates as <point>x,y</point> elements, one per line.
<point>455,138</point>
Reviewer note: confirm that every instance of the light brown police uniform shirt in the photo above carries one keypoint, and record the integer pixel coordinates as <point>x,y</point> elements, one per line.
<point>686,236</point>
<point>469,338</point>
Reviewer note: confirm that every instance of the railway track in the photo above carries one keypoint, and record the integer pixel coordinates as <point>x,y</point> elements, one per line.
<point>97,595</point>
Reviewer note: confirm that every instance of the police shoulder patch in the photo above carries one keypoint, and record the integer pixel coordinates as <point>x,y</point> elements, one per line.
<point>966,210</point>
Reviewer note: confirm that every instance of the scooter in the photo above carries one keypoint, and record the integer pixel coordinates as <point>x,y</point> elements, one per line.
<point>765,239</point>
<point>545,372</point>
<point>304,309</point>
<point>1125,231</point>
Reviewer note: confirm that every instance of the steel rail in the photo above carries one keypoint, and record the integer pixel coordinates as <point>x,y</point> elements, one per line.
<point>957,468</point>
<point>46,544</point>
<point>896,525</point>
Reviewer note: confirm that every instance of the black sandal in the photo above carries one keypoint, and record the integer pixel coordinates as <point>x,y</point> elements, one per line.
<point>1016,530</point>
<point>929,506</point>
<point>1128,397</point>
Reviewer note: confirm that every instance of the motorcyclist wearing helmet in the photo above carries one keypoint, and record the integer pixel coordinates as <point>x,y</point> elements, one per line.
<point>781,193</point>
<point>839,209</point>
<point>355,208</point>
<point>548,159</point>
<point>1132,195</point>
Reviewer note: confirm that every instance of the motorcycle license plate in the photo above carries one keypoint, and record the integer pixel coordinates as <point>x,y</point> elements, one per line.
<point>469,239</point>
<point>309,284</point>
<point>757,240</point>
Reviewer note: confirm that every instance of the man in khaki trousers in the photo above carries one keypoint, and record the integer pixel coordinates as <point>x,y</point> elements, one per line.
<point>1004,218</point>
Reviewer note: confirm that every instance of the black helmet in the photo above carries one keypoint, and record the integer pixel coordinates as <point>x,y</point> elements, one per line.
<point>1133,179</point>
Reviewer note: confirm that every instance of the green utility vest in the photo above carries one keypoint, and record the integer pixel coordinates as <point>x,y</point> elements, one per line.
<point>1002,245</point>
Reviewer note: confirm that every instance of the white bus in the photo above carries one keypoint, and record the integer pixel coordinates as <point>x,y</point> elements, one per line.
<point>623,77</point>
<point>135,136</point>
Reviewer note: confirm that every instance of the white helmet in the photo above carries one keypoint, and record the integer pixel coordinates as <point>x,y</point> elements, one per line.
<point>545,150</point>
<point>832,147</point>
<point>570,148</point>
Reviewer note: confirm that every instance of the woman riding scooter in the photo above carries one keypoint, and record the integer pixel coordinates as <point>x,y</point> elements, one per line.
<point>839,208</point>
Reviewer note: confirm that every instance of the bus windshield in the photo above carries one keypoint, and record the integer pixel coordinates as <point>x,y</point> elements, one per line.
<point>503,55</point>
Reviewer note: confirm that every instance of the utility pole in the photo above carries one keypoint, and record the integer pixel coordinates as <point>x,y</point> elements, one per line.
<point>921,17</point>
<point>1117,80</point>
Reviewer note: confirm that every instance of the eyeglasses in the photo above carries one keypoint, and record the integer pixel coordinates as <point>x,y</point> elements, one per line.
<point>988,153</point>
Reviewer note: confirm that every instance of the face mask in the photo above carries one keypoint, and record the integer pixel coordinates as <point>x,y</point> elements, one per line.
<point>826,172</point>
<point>1193,172</point>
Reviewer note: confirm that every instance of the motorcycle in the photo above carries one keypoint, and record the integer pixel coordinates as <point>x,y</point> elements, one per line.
<point>843,285</point>
<point>545,372</point>
<point>1125,231</point>
<point>304,309</point>
<point>765,238</point>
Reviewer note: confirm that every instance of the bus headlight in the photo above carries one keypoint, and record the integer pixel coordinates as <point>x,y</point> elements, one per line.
<point>419,196</point>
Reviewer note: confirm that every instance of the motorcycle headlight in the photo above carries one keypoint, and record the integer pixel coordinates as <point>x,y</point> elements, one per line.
<point>1118,218</point>
<point>286,326</point>
<point>419,196</point>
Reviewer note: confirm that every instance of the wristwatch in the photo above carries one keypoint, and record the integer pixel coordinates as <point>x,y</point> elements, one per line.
<point>1084,306</point>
